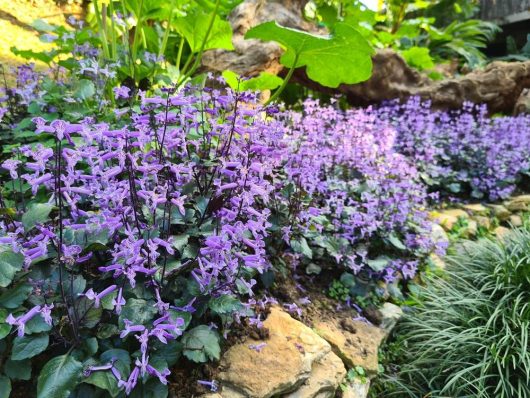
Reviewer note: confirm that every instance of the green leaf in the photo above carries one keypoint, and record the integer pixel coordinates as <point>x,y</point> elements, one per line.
<point>264,81</point>
<point>37,325</point>
<point>194,27</point>
<point>225,304</point>
<point>38,213</point>
<point>18,370</point>
<point>43,26</point>
<point>85,89</point>
<point>379,263</point>
<point>29,346</point>
<point>139,312</point>
<point>10,263</point>
<point>301,246</point>
<point>5,387</point>
<point>418,57</point>
<point>396,242</point>
<point>4,327</point>
<point>344,57</point>
<point>58,377</point>
<point>14,297</point>
<point>201,344</point>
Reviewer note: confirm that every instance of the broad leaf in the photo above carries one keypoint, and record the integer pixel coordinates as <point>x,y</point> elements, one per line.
<point>85,89</point>
<point>194,27</point>
<point>4,327</point>
<point>15,296</point>
<point>378,264</point>
<point>29,346</point>
<point>264,81</point>
<point>59,377</point>
<point>18,370</point>
<point>418,57</point>
<point>5,387</point>
<point>201,344</point>
<point>224,304</point>
<point>10,263</point>
<point>139,312</point>
<point>37,214</point>
<point>344,57</point>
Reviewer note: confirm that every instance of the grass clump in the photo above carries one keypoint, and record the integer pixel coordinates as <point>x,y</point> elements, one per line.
<point>468,336</point>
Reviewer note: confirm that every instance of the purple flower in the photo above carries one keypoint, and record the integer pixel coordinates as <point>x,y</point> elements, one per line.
<point>21,321</point>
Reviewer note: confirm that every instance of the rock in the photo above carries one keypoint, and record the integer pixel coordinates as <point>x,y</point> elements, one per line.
<point>325,377</point>
<point>501,232</point>
<point>437,261</point>
<point>448,218</point>
<point>476,208</point>
<point>356,343</point>
<point>357,389</point>
<point>438,234</point>
<point>515,221</point>
<point>215,395</point>
<point>514,205</point>
<point>471,229</point>
<point>391,314</point>
<point>522,198</point>
<point>281,366</point>
<point>483,222</point>
<point>523,103</point>
<point>501,212</point>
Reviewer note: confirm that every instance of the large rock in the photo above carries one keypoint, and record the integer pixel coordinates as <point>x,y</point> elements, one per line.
<point>501,212</point>
<point>390,315</point>
<point>357,389</point>
<point>325,377</point>
<point>283,364</point>
<point>355,342</point>
<point>448,218</point>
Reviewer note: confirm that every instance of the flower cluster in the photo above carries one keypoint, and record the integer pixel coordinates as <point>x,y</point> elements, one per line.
<point>462,153</point>
<point>144,218</point>
<point>348,192</point>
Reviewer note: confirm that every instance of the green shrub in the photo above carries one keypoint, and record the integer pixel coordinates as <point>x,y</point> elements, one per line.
<point>469,334</point>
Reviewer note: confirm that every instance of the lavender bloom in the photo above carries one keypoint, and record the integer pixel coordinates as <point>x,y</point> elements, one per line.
<point>21,321</point>
<point>212,385</point>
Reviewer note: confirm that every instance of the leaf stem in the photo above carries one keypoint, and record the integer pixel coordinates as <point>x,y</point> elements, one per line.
<point>285,81</point>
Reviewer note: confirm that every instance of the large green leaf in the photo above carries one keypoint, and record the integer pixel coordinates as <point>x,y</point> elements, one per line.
<point>138,311</point>
<point>224,304</point>
<point>201,344</point>
<point>264,81</point>
<point>10,263</point>
<point>29,346</point>
<point>194,27</point>
<point>4,327</point>
<point>58,377</point>
<point>5,387</point>
<point>18,370</point>
<point>15,296</point>
<point>344,57</point>
<point>37,214</point>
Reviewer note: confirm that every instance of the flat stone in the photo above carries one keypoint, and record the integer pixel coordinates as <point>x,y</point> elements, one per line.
<point>448,218</point>
<point>521,198</point>
<point>437,261</point>
<point>357,389</point>
<point>438,233</point>
<point>483,221</point>
<point>471,229</point>
<point>514,205</point>
<point>476,208</point>
<point>283,364</point>
<point>391,314</point>
<point>501,212</point>
<point>356,342</point>
<point>501,232</point>
<point>515,221</point>
<point>325,377</point>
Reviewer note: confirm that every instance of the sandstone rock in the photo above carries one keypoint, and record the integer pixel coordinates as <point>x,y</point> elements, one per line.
<point>391,314</point>
<point>448,218</point>
<point>356,343</point>
<point>471,229</point>
<point>501,232</point>
<point>515,221</point>
<point>438,233</point>
<point>357,389</point>
<point>325,377</point>
<point>437,261</point>
<point>514,205</point>
<point>501,212</point>
<point>483,221</point>
<point>281,366</point>
<point>522,198</point>
<point>475,208</point>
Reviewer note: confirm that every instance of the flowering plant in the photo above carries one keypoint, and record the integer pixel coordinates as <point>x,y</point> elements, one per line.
<point>132,232</point>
